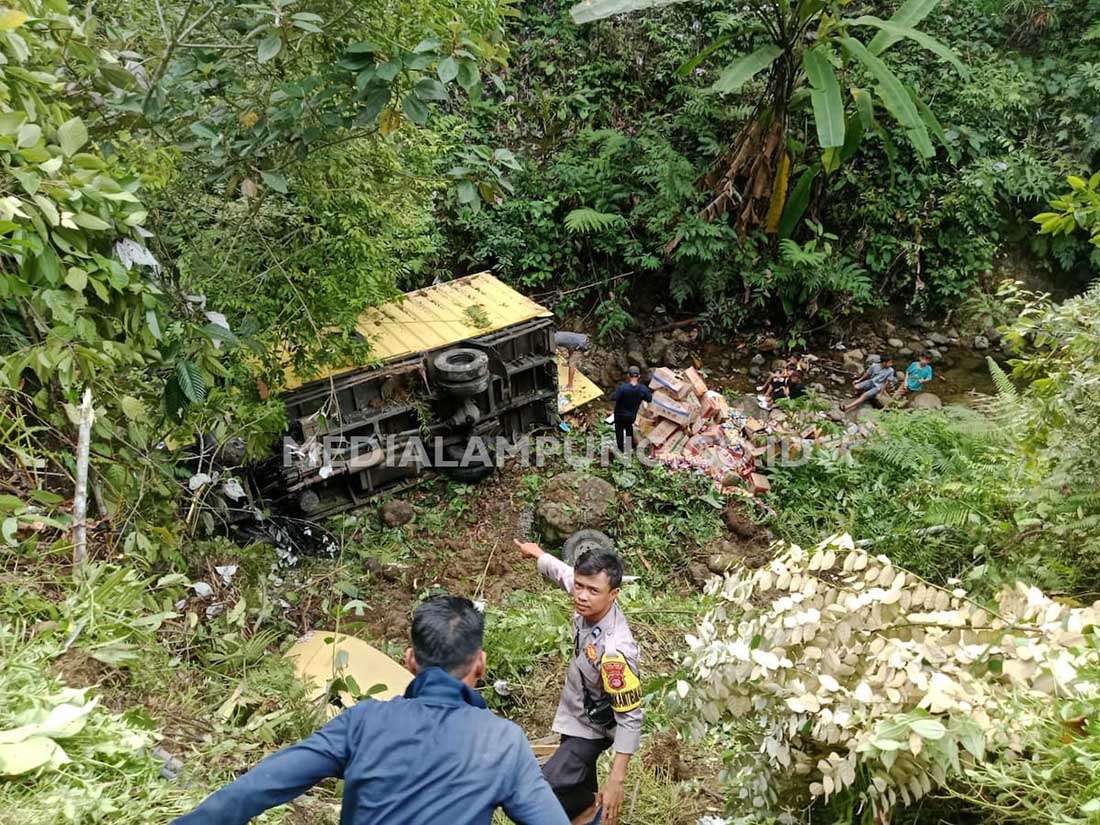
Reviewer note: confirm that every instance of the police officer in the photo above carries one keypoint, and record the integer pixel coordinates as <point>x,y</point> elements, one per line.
<point>601,703</point>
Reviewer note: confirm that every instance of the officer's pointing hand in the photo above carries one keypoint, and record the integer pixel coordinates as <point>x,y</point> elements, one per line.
<point>529,548</point>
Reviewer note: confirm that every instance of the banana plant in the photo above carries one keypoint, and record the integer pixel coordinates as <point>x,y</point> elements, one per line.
<point>804,46</point>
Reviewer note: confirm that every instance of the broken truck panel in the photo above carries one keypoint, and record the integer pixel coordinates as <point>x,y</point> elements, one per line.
<point>485,366</point>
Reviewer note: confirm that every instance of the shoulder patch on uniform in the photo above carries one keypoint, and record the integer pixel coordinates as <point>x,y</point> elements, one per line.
<point>621,683</point>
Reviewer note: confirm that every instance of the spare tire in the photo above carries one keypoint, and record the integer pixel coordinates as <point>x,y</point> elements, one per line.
<point>461,364</point>
<point>464,389</point>
<point>582,541</point>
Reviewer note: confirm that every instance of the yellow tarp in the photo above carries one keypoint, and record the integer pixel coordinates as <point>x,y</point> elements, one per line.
<point>437,316</point>
<point>314,657</point>
<point>584,390</point>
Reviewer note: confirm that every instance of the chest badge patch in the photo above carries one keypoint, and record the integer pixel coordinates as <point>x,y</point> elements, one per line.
<point>591,654</point>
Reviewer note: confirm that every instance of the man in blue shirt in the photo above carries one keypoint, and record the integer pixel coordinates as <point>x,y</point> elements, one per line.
<point>628,398</point>
<point>435,755</point>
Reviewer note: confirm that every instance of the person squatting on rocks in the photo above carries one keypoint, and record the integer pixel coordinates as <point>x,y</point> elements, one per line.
<point>601,702</point>
<point>873,381</point>
<point>628,398</point>
<point>435,755</point>
<point>918,374</point>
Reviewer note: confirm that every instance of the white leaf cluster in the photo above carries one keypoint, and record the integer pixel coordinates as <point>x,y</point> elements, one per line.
<point>832,669</point>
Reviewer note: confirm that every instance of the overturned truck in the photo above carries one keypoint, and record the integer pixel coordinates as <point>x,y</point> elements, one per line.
<point>470,358</point>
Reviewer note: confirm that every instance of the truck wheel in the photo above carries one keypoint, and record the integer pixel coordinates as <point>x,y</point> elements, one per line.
<point>461,364</point>
<point>471,473</point>
<point>464,389</point>
<point>582,541</point>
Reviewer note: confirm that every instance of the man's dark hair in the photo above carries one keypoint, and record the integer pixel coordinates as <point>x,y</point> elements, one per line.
<point>447,632</point>
<point>924,355</point>
<point>886,359</point>
<point>594,562</point>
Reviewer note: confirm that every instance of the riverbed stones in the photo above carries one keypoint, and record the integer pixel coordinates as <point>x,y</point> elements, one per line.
<point>926,401</point>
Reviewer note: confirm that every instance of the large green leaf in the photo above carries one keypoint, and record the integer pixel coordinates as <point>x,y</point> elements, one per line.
<point>910,14</point>
<point>72,134</point>
<point>894,95</point>
<point>591,10</point>
<point>825,96</point>
<point>692,64</point>
<point>742,70</point>
<point>932,44</point>
<point>798,201</point>
<point>190,381</point>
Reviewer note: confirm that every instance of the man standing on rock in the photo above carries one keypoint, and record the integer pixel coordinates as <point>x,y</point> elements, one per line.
<point>601,703</point>
<point>628,397</point>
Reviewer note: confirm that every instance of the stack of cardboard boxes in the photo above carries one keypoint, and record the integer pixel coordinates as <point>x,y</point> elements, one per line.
<point>688,426</point>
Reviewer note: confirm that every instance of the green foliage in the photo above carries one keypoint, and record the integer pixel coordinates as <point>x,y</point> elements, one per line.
<point>1078,209</point>
<point>936,492</point>
<point>1057,783</point>
<point>97,765</point>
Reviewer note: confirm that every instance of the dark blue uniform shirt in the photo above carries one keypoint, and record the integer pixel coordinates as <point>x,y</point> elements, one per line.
<point>435,755</point>
<point>628,398</point>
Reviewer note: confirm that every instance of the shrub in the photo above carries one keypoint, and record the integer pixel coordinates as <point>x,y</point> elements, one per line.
<point>835,673</point>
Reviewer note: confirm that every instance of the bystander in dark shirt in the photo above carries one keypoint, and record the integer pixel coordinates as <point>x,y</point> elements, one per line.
<point>436,755</point>
<point>628,398</point>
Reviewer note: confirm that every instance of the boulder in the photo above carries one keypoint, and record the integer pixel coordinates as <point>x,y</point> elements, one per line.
<point>738,523</point>
<point>981,342</point>
<point>935,354</point>
<point>938,338</point>
<point>993,334</point>
<point>755,372</point>
<point>769,345</point>
<point>634,358</point>
<point>926,401</point>
<point>574,501</point>
<point>658,347</point>
<point>854,354</point>
<point>396,512</point>
<point>904,352</point>
<point>895,343</point>
<point>928,343</point>
<point>758,360</point>
<point>953,333</point>
<point>678,356</point>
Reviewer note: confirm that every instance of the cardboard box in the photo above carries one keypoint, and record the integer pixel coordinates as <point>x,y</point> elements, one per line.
<point>644,426</point>
<point>662,432</point>
<point>665,380</point>
<point>760,484</point>
<point>754,425</point>
<point>695,381</point>
<point>666,406</point>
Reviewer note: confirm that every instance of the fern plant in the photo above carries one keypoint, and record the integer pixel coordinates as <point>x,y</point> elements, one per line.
<point>586,221</point>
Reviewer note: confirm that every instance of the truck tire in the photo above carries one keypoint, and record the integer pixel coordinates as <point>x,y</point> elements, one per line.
<point>460,365</point>
<point>473,472</point>
<point>464,389</point>
<point>582,541</point>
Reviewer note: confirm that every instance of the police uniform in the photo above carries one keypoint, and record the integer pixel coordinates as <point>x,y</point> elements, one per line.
<point>601,703</point>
